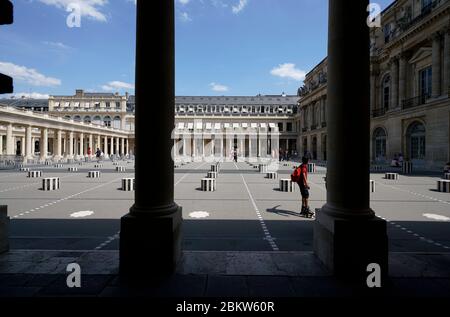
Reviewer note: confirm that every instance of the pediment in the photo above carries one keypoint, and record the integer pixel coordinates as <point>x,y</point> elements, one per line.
<point>421,54</point>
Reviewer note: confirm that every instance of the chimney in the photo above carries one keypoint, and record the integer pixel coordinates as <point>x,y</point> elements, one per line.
<point>79,93</point>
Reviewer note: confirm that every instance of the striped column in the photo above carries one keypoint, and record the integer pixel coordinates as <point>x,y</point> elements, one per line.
<point>393,176</point>
<point>94,174</point>
<point>208,184</point>
<point>443,185</point>
<point>128,184</point>
<point>286,185</point>
<point>407,167</point>
<point>50,183</point>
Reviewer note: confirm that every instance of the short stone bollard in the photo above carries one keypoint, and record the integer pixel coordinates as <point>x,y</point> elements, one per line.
<point>120,169</point>
<point>34,174</point>
<point>128,184</point>
<point>50,183</point>
<point>443,185</point>
<point>311,167</point>
<point>211,175</point>
<point>271,175</point>
<point>73,169</point>
<point>94,174</point>
<point>262,168</point>
<point>407,167</point>
<point>98,165</point>
<point>447,176</point>
<point>286,185</point>
<point>214,168</point>
<point>24,169</point>
<point>4,229</point>
<point>208,184</point>
<point>47,163</point>
<point>58,165</point>
<point>393,176</point>
<point>372,186</point>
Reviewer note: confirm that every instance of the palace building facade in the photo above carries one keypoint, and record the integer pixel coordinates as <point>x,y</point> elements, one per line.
<point>410,88</point>
<point>409,100</point>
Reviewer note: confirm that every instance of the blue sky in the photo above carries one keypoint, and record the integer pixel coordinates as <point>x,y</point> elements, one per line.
<point>223,47</point>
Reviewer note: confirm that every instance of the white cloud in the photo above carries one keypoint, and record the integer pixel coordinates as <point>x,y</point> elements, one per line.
<point>57,45</point>
<point>28,75</point>
<point>33,95</point>
<point>183,2</point>
<point>184,16</point>
<point>89,8</point>
<point>117,85</point>
<point>288,70</point>
<point>218,87</point>
<point>239,7</point>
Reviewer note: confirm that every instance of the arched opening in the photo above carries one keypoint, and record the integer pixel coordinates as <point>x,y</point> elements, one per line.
<point>314,148</point>
<point>415,141</point>
<point>97,120</point>
<point>107,121</point>
<point>116,122</point>
<point>87,119</point>
<point>77,118</point>
<point>379,144</point>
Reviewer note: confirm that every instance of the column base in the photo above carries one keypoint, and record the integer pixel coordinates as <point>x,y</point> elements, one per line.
<point>150,244</point>
<point>348,246</point>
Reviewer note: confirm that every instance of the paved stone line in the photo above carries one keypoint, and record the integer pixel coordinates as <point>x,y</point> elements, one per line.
<point>267,234</point>
<point>117,235</point>
<point>108,241</point>
<point>62,199</point>
<point>185,175</point>
<point>27,185</point>
<point>416,235</point>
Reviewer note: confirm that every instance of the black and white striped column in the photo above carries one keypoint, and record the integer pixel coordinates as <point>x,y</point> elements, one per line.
<point>311,167</point>
<point>271,175</point>
<point>24,169</point>
<point>73,169</point>
<point>372,186</point>
<point>446,175</point>
<point>286,185</point>
<point>443,186</point>
<point>98,165</point>
<point>50,183</point>
<point>34,174</point>
<point>208,184</point>
<point>215,168</point>
<point>211,175</point>
<point>128,184</point>
<point>94,174</point>
<point>58,165</point>
<point>120,169</point>
<point>393,176</point>
<point>263,168</point>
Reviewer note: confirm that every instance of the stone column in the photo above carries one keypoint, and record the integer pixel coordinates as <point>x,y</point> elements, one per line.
<point>446,70</point>
<point>122,146</point>
<point>111,146</point>
<point>28,141</point>
<point>1,144</point>
<point>184,145</point>
<point>394,83</point>
<point>91,144</point>
<point>402,79</point>
<point>9,140</point>
<point>436,66</point>
<point>81,144</point>
<point>105,146</point>
<point>58,140</point>
<point>150,236</point>
<point>347,235</point>
<point>99,143</point>
<point>44,143</point>
<point>117,146</point>
<point>127,146</point>
<point>71,140</point>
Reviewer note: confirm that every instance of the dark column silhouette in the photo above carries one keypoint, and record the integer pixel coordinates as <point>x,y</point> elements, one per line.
<point>6,17</point>
<point>150,237</point>
<point>347,234</point>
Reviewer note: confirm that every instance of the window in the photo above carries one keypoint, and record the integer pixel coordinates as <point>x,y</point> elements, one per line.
<point>280,126</point>
<point>108,105</point>
<point>379,144</point>
<point>289,126</point>
<point>387,30</point>
<point>425,83</point>
<point>87,119</point>
<point>77,118</point>
<point>107,121</point>
<point>426,6</point>
<point>416,141</point>
<point>386,91</point>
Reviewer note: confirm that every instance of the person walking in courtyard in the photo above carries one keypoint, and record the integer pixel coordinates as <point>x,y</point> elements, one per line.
<point>98,154</point>
<point>235,154</point>
<point>300,176</point>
